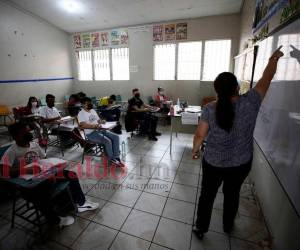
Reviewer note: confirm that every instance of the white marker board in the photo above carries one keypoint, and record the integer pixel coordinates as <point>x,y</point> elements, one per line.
<point>277,129</point>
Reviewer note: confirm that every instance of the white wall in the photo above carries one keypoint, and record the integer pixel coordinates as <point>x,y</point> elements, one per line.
<point>141,54</point>
<point>47,56</point>
<point>282,220</point>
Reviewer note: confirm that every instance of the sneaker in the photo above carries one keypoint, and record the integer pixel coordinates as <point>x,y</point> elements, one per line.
<point>87,206</point>
<point>66,221</point>
<point>152,138</point>
<point>117,162</point>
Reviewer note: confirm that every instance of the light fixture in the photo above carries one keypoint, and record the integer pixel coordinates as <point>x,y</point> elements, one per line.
<point>71,6</point>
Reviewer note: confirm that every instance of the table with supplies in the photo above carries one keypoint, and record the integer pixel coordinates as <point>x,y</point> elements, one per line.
<point>183,117</point>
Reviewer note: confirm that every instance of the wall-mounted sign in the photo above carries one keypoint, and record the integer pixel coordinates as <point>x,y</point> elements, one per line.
<point>158,33</point>
<point>95,38</point>
<point>77,41</point>
<point>170,32</point>
<point>181,31</point>
<point>86,40</point>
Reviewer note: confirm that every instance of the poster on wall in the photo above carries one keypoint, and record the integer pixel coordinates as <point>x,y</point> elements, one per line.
<point>265,10</point>
<point>95,38</point>
<point>158,33</point>
<point>77,41</point>
<point>181,31</point>
<point>170,33</point>
<point>86,40</point>
<point>124,37</point>
<point>115,37</point>
<point>104,39</point>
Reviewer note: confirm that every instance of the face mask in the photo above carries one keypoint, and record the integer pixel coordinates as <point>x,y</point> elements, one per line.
<point>161,92</point>
<point>34,104</point>
<point>89,106</point>
<point>137,95</point>
<point>28,137</point>
<point>51,104</point>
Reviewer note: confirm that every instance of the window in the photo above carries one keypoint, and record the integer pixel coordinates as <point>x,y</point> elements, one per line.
<point>164,62</point>
<point>101,65</point>
<point>216,58</point>
<point>85,69</point>
<point>189,61</point>
<point>120,64</point>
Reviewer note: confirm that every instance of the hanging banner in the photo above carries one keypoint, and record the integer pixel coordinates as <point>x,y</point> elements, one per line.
<point>95,37</point>
<point>124,37</point>
<point>77,41</point>
<point>86,40</point>
<point>265,10</point>
<point>115,37</point>
<point>104,39</point>
<point>181,31</point>
<point>158,33</point>
<point>170,33</point>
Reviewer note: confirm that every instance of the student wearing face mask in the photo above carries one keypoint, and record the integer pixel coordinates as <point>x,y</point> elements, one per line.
<point>91,123</point>
<point>137,109</point>
<point>161,100</point>
<point>51,119</point>
<point>25,151</point>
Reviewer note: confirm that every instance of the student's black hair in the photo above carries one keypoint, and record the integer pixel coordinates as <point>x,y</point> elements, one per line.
<point>49,96</point>
<point>85,99</point>
<point>30,100</point>
<point>159,89</point>
<point>75,97</point>
<point>113,97</point>
<point>226,86</point>
<point>81,94</point>
<point>15,128</point>
<point>136,89</point>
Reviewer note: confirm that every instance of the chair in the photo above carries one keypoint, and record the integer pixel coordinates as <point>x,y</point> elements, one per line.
<point>5,113</point>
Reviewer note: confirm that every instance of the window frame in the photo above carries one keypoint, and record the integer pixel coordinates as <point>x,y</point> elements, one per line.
<point>93,64</point>
<point>203,41</point>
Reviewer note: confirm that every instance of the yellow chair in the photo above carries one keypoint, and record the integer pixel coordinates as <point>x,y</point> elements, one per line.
<point>4,114</point>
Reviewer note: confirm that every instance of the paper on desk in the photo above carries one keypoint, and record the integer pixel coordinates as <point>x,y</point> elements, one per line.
<point>66,118</point>
<point>109,125</point>
<point>189,118</point>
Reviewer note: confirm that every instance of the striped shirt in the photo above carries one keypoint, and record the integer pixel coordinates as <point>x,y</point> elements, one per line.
<point>232,149</point>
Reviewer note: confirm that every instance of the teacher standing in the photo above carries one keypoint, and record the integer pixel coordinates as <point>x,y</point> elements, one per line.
<point>228,125</point>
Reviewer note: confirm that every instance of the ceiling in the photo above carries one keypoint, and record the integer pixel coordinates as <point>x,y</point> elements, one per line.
<point>86,15</point>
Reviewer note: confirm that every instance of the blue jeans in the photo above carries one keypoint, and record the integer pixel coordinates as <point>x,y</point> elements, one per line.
<point>110,140</point>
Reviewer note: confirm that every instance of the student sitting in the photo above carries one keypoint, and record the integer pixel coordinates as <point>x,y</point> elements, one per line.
<point>161,100</point>
<point>110,111</point>
<point>25,151</point>
<point>74,105</point>
<point>89,120</point>
<point>52,119</point>
<point>137,109</point>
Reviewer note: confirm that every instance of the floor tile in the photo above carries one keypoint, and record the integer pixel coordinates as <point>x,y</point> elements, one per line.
<point>135,182</point>
<point>158,187</point>
<point>103,190</point>
<point>157,247</point>
<point>173,234</point>
<point>187,179</point>
<point>179,210</point>
<point>164,174</point>
<point>95,237</point>
<point>155,153</point>
<point>249,207</point>
<point>211,241</point>
<point>151,203</point>
<point>112,215</point>
<point>128,242</point>
<point>152,160</point>
<point>126,196</point>
<point>87,184</point>
<point>189,168</point>
<point>17,239</point>
<point>141,224</point>
<point>237,244</point>
<point>167,163</point>
<point>68,235</point>
<point>144,169</point>
<point>184,193</point>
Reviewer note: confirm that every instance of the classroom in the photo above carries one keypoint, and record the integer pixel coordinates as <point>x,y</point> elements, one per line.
<point>150,124</point>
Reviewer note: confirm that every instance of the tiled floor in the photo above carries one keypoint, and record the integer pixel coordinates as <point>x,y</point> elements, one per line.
<point>149,206</point>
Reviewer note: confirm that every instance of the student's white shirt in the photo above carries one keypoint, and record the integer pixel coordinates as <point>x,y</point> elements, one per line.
<point>16,154</point>
<point>49,113</point>
<point>91,118</point>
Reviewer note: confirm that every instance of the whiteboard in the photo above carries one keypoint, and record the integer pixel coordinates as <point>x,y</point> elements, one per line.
<point>277,129</point>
